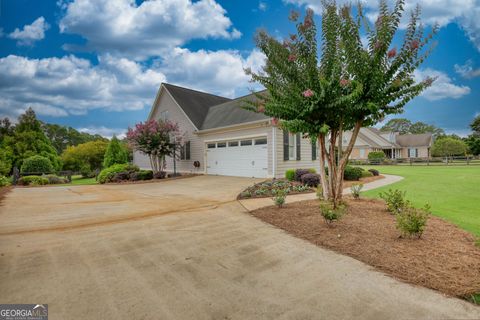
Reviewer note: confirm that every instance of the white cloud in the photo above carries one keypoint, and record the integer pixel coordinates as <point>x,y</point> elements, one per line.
<point>73,86</point>
<point>220,72</point>
<point>69,85</point>
<point>140,31</point>
<point>467,70</point>
<point>442,88</point>
<point>470,22</point>
<point>30,32</point>
<point>105,132</point>
<point>262,6</point>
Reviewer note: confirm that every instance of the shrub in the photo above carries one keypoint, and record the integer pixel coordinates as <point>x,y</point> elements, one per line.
<point>376,157</point>
<point>32,181</point>
<point>374,172</point>
<point>246,194</point>
<point>412,221</point>
<point>395,200</point>
<point>356,188</point>
<point>331,214</point>
<point>366,174</point>
<point>37,164</point>
<point>107,175</point>
<point>4,181</point>
<point>115,153</point>
<point>300,172</point>
<point>352,173</point>
<point>290,174</point>
<point>141,175</point>
<point>311,179</point>
<point>121,176</point>
<point>159,175</point>
<point>312,170</point>
<point>86,171</point>
<point>279,197</point>
<point>54,179</point>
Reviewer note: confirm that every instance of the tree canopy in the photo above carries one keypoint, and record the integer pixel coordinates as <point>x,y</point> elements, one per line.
<point>349,86</point>
<point>62,136</point>
<point>448,147</point>
<point>115,153</point>
<point>89,155</point>
<point>405,126</point>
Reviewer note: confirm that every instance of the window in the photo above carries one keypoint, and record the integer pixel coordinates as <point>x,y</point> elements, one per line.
<point>362,153</point>
<point>261,141</point>
<point>246,142</point>
<point>164,115</point>
<point>185,151</point>
<point>211,146</point>
<point>412,152</point>
<point>292,144</point>
<point>233,144</point>
<point>221,145</point>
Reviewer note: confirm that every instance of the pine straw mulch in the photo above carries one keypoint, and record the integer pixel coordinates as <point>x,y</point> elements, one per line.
<point>445,258</point>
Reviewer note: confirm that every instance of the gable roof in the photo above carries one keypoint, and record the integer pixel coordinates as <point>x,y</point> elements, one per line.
<point>194,103</point>
<point>415,140</point>
<point>231,113</point>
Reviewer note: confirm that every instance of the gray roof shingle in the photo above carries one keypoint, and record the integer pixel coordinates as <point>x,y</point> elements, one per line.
<point>414,140</point>
<point>194,103</point>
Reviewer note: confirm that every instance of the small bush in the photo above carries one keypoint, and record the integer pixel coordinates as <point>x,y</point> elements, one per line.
<point>121,176</point>
<point>279,197</point>
<point>374,172</point>
<point>107,175</point>
<point>352,173</point>
<point>412,221</point>
<point>300,172</point>
<point>395,200</point>
<point>246,194</point>
<point>356,188</point>
<point>331,214</point>
<point>37,164</point>
<point>312,170</point>
<point>311,179</point>
<point>32,181</point>
<point>86,171</point>
<point>160,175</point>
<point>290,174</point>
<point>4,181</point>
<point>141,175</point>
<point>366,174</point>
<point>376,157</point>
<point>53,179</point>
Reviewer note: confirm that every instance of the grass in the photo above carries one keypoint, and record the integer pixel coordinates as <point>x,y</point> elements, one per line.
<point>79,181</point>
<point>453,192</point>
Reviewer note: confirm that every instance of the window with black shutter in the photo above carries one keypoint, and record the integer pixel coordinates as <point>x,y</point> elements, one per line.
<point>299,142</point>
<point>314,150</point>
<point>187,150</point>
<point>285,145</point>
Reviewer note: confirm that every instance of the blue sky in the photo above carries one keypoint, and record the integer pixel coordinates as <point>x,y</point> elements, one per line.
<point>96,65</point>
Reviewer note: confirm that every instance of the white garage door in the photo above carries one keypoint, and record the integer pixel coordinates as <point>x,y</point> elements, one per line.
<point>242,158</point>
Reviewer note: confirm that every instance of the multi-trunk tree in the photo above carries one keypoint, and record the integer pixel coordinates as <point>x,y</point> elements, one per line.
<point>157,140</point>
<point>349,86</point>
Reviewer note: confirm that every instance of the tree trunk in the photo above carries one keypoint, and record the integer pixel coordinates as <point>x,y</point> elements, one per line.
<point>323,176</point>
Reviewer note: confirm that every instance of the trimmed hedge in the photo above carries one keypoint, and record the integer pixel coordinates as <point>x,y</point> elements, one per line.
<point>352,173</point>
<point>376,156</point>
<point>141,175</point>
<point>37,164</point>
<point>366,174</point>
<point>108,174</point>
<point>290,174</point>
<point>374,172</point>
<point>54,179</point>
<point>311,179</point>
<point>32,181</point>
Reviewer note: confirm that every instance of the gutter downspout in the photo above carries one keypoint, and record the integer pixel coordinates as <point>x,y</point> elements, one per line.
<point>274,152</point>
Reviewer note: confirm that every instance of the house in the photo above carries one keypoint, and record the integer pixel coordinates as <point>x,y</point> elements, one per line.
<point>223,138</point>
<point>393,144</point>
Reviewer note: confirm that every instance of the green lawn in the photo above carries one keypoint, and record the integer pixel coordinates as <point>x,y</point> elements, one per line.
<point>453,192</point>
<point>79,181</point>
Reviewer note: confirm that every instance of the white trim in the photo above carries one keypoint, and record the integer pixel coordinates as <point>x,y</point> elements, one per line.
<point>266,121</point>
<point>251,136</point>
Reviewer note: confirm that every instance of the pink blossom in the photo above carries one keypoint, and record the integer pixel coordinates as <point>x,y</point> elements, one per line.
<point>344,82</point>
<point>275,121</point>
<point>261,109</point>
<point>308,93</point>
<point>415,44</point>
<point>392,53</point>
<point>292,58</point>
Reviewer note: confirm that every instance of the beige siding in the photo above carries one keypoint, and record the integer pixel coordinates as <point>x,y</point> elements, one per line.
<point>239,133</point>
<point>356,153</point>
<point>422,152</point>
<point>304,163</point>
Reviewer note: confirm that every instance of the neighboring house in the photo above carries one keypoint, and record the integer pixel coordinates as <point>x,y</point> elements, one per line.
<point>226,139</point>
<point>393,144</point>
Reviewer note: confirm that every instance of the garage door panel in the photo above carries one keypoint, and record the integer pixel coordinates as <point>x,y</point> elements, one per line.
<point>245,161</point>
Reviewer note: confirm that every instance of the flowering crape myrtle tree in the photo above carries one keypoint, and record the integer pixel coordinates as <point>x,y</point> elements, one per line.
<point>156,139</point>
<point>348,87</point>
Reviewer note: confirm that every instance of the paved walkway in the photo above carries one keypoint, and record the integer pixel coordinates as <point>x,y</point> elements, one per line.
<point>185,249</point>
<point>253,204</point>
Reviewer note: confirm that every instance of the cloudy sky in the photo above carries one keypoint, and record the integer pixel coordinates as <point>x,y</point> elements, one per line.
<point>96,65</point>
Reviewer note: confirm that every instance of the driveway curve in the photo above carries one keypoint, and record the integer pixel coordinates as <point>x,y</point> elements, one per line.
<point>185,249</point>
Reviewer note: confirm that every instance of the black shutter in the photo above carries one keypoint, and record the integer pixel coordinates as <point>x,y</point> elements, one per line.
<point>187,151</point>
<point>314,150</point>
<point>416,153</point>
<point>299,142</point>
<point>285,145</point>
<point>182,152</point>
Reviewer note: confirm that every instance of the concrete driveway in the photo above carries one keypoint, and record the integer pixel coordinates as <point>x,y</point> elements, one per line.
<point>184,249</point>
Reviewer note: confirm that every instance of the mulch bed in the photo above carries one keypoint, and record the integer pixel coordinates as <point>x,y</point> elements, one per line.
<point>445,258</point>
